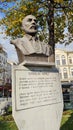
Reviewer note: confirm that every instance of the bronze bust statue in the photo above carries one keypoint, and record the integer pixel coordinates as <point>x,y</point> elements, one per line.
<point>30,45</point>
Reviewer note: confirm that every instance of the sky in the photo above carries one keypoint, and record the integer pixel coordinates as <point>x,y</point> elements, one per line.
<point>68,47</point>
<point>5,40</point>
<point>9,48</point>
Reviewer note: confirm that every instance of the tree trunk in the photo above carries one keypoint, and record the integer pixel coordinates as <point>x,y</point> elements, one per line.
<point>50,21</point>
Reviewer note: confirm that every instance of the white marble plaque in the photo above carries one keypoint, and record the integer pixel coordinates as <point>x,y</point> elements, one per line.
<point>37,100</point>
<point>36,88</point>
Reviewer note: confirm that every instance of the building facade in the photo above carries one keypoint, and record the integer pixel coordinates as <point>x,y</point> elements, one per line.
<point>5,72</point>
<point>64,63</point>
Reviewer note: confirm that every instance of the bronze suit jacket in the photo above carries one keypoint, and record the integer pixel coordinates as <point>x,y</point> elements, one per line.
<point>28,45</point>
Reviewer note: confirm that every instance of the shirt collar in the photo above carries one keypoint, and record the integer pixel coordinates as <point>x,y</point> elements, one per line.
<point>31,37</point>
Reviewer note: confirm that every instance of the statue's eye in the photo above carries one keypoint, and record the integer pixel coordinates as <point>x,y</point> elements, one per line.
<point>35,20</point>
<point>29,20</point>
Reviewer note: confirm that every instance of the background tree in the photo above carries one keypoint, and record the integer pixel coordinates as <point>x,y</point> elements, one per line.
<point>55,18</point>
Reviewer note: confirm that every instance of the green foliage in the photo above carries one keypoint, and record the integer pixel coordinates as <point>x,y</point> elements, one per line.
<point>67,120</point>
<point>8,110</point>
<point>7,123</point>
<point>59,27</point>
<point>63,10</point>
<point>6,118</point>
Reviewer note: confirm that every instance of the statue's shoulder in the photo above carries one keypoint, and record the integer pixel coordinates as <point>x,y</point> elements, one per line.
<point>17,41</point>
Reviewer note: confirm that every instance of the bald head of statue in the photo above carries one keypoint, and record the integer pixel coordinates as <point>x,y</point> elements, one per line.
<point>29,25</point>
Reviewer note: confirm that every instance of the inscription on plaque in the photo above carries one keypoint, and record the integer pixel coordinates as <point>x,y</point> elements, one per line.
<point>36,88</point>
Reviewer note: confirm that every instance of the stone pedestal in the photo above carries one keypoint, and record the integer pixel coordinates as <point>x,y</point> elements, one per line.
<point>36,96</point>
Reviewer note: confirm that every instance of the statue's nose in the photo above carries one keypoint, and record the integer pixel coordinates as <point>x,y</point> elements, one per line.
<point>33,22</point>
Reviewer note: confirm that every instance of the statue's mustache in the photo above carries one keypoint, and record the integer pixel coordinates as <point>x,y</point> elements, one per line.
<point>33,27</point>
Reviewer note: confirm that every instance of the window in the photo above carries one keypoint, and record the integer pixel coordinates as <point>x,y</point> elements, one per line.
<point>57,60</point>
<point>65,73</point>
<point>70,60</point>
<point>72,72</point>
<point>63,60</point>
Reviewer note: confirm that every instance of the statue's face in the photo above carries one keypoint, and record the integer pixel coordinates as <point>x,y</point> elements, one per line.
<point>29,24</point>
